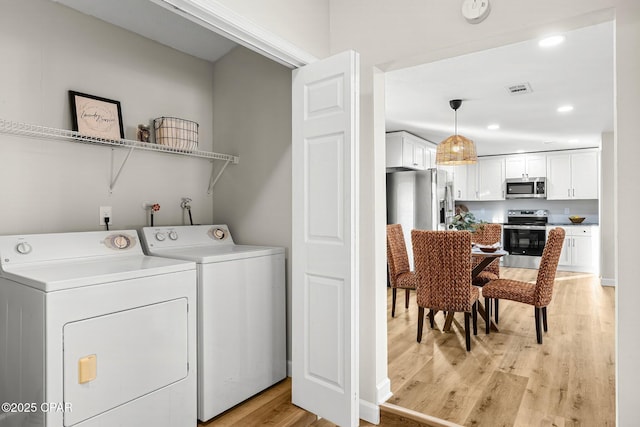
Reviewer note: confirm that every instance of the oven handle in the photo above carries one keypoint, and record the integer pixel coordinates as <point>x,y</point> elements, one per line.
<point>524,227</point>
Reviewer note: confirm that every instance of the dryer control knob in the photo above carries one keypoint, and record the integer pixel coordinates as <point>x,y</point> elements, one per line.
<point>173,235</point>
<point>23,248</point>
<point>160,237</point>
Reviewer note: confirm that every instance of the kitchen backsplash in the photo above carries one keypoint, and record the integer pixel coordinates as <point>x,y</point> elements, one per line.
<point>559,210</point>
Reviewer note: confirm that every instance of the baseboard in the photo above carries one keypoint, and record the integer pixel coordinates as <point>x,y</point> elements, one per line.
<point>607,282</point>
<point>369,412</point>
<point>403,416</point>
<point>288,368</point>
<point>383,391</point>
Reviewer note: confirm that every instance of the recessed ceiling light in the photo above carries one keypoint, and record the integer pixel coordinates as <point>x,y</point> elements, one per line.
<point>565,108</point>
<point>547,142</point>
<point>551,41</point>
<point>574,140</point>
<point>519,151</point>
<point>493,126</point>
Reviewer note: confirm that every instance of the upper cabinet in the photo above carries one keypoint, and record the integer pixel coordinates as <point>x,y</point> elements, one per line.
<point>481,181</point>
<point>572,175</point>
<point>526,166</point>
<point>491,175</point>
<point>465,181</point>
<point>405,150</point>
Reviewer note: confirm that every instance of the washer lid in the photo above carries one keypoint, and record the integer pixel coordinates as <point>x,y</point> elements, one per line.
<point>204,254</point>
<point>57,275</point>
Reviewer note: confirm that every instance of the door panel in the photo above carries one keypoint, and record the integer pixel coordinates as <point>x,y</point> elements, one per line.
<point>325,239</point>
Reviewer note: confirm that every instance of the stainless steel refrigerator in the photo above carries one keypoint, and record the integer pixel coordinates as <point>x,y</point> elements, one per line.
<point>419,200</point>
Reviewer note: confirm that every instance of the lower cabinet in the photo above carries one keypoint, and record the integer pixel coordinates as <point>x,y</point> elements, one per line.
<point>581,249</point>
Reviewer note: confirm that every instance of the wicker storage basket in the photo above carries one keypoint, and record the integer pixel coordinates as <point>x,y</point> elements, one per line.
<point>176,133</point>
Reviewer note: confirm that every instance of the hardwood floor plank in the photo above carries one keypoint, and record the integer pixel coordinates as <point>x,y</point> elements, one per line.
<point>271,407</point>
<point>492,408</point>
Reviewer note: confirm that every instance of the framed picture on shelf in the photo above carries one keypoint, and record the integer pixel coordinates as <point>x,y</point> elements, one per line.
<point>95,116</point>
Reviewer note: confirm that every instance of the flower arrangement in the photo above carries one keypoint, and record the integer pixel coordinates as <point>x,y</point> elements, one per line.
<point>465,221</point>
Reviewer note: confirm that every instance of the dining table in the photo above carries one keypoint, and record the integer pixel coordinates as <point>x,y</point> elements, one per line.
<point>485,258</point>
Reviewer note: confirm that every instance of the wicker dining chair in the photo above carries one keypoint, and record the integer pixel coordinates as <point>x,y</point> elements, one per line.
<point>443,266</point>
<point>487,234</point>
<point>539,294</point>
<point>400,275</point>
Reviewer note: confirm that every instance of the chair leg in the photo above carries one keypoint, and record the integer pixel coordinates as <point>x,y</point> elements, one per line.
<point>431,319</point>
<point>487,319</point>
<point>407,292</point>
<point>474,317</point>
<point>467,331</point>
<point>394,291</point>
<point>420,322</point>
<point>544,318</point>
<point>496,314</point>
<point>537,311</point>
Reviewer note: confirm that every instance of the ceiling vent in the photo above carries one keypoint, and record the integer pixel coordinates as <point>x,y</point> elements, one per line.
<point>519,89</point>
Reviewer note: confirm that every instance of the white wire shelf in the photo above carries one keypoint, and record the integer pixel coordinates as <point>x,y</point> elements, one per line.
<point>43,132</point>
<point>36,131</point>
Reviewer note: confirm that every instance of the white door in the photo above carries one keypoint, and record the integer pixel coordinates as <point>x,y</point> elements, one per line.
<point>325,238</point>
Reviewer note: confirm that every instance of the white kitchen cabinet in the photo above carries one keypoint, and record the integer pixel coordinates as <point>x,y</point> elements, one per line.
<point>430,157</point>
<point>465,180</point>
<point>580,251</point>
<point>572,175</point>
<point>405,150</point>
<point>526,166</point>
<point>490,181</point>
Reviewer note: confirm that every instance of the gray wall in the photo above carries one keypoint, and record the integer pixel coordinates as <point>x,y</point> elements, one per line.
<point>51,186</point>
<point>252,118</point>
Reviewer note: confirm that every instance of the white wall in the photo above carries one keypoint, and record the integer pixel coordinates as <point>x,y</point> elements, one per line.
<point>607,208</point>
<point>54,186</point>
<point>305,23</point>
<point>252,118</point>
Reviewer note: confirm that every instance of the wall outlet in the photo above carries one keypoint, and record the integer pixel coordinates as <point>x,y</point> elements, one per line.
<point>105,211</point>
<point>566,211</point>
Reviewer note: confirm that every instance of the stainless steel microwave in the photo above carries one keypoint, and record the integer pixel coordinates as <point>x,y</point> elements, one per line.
<point>531,188</point>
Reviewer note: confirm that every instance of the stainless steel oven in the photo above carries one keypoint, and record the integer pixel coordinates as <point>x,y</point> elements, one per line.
<point>524,237</point>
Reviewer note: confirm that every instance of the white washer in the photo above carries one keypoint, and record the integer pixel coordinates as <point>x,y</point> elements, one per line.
<point>95,333</point>
<point>241,311</point>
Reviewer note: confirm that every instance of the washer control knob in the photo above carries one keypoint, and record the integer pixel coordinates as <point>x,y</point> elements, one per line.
<point>23,248</point>
<point>121,242</point>
<point>173,235</point>
<point>160,237</point>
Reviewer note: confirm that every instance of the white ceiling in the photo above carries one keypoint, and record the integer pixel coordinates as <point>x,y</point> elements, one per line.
<point>157,22</point>
<point>577,72</point>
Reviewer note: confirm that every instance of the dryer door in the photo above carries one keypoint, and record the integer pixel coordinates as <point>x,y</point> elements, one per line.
<point>113,359</point>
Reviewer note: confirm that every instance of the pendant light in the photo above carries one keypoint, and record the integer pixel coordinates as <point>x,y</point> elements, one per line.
<point>457,149</point>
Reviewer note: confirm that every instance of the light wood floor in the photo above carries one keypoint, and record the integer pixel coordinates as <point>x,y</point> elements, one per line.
<point>507,379</point>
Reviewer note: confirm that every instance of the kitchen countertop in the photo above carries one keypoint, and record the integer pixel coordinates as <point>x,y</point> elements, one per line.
<point>564,224</point>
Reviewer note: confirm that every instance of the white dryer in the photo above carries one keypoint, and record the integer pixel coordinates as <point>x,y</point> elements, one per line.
<point>95,333</point>
<point>241,311</point>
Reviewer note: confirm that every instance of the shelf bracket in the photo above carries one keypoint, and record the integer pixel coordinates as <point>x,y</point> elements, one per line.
<point>114,180</point>
<point>212,180</point>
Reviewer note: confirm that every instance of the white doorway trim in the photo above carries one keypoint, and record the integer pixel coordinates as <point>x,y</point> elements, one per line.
<point>224,21</point>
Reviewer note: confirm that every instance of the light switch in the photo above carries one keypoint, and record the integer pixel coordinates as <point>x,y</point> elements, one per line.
<point>87,369</point>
